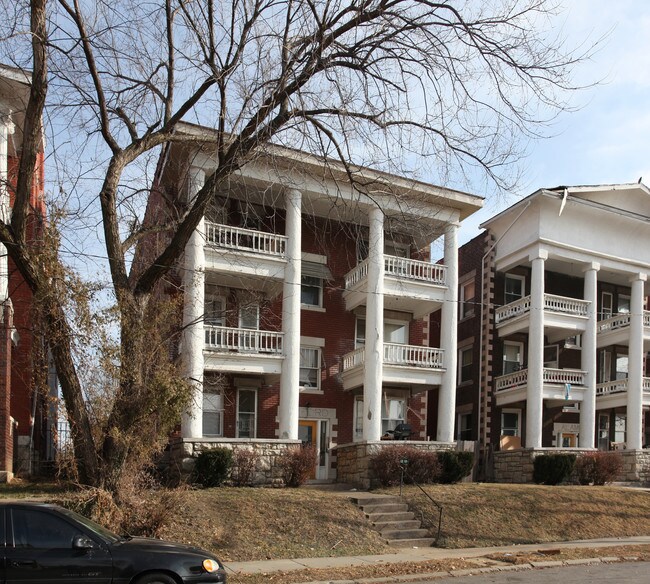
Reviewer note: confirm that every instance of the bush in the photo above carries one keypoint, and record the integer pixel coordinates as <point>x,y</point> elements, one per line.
<point>296,465</point>
<point>244,467</point>
<point>552,469</point>
<point>423,466</point>
<point>213,466</point>
<point>599,468</point>
<point>455,466</point>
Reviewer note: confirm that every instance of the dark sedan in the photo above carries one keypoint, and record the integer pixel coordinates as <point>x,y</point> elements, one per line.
<point>46,544</point>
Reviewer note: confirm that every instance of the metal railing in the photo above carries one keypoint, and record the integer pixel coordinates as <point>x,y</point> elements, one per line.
<point>397,354</point>
<point>404,268</point>
<point>226,339</point>
<point>241,239</point>
<point>435,503</point>
<point>552,303</point>
<point>550,375</point>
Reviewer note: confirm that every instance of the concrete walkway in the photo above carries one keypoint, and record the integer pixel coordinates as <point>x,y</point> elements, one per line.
<point>420,555</point>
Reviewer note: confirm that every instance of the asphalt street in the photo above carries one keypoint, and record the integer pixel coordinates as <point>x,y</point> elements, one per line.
<point>619,573</point>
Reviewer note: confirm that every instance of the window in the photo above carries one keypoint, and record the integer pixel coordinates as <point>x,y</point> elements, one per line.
<point>358,418</point>
<point>394,332</point>
<point>311,291</point>
<point>605,366</point>
<point>512,357</point>
<point>621,366</point>
<point>465,360</point>
<point>249,316</point>
<point>467,299</point>
<point>215,311</point>
<point>212,414</point>
<point>510,422</point>
<point>309,368</point>
<point>620,423</point>
<point>606,305</point>
<point>573,342</point>
<point>603,431</point>
<point>623,304</point>
<point>464,426</point>
<point>514,288</point>
<point>393,412</point>
<point>38,530</point>
<point>551,356</point>
<point>246,413</point>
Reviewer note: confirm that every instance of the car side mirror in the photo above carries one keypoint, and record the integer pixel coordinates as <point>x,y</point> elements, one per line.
<point>83,542</point>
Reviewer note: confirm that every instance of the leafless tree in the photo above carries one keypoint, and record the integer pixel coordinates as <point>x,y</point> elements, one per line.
<point>457,82</point>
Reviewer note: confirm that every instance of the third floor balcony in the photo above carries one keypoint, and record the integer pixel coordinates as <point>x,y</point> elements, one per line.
<point>245,257</point>
<point>563,316</point>
<point>615,330</point>
<point>409,285</point>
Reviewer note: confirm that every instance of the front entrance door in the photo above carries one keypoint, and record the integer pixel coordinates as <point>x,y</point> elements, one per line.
<point>308,434</point>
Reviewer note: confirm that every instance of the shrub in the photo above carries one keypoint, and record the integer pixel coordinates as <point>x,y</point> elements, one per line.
<point>244,467</point>
<point>599,468</point>
<point>213,466</point>
<point>552,469</point>
<point>296,465</point>
<point>455,466</point>
<point>423,466</point>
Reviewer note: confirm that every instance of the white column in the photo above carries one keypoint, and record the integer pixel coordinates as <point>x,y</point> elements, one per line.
<point>290,382</point>
<point>588,359</point>
<point>193,310</point>
<point>635,372</point>
<point>448,340</point>
<point>6,130</point>
<point>374,348</point>
<point>534,395</point>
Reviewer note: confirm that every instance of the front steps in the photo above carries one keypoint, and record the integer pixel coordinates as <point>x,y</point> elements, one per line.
<point>392,518</point>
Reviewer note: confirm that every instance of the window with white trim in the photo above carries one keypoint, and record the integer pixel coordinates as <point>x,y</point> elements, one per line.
<point>624,302</point>
<point>311,291</point>
<point>215,311</point>
<point>395,331</point>
<point>510,422</point>
<point>393,412</point>
<point>212,414</point>
<point>514,289</point>
<point>310,358</point>
<point>513,357</point>
<point>465,361</point>
<point>467,299</point>
<point>606,305</point>
<point>464,427</point>
<point>246,413</point>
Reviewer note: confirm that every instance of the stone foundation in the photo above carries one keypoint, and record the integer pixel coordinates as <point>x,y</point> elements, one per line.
<point>353,460</point>
<point>184,451</point>
<point>516,466</point>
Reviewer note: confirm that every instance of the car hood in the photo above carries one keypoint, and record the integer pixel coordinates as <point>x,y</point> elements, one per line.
<point>148,544</point>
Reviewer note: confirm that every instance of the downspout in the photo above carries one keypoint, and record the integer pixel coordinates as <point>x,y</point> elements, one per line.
<point>483,308</point>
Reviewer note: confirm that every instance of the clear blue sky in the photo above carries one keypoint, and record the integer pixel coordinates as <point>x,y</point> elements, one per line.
<point>607,139</point>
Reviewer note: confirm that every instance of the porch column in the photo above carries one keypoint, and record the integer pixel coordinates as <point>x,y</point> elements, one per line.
<point>6,130</point>
<point>193,308</point>
<point>290,382</point>
<point>448,338</point>
<point>634,427</point>
<point>588,360</point>
<point>374,348</point>
<point>534,390</point>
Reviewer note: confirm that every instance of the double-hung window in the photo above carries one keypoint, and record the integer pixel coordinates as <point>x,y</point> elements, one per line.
<point>310,368</point>
<point>311,291</point>
<point>467,299</point>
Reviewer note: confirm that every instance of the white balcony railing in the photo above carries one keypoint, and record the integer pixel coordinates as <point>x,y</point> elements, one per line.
<point>405,268</point>
<point>397,354</point>
<point>550,376</point>
<point>620,321</point>
<point>619,386</point>
<point>552,303</point>
<point>226,339</point>
<point>240,239</point>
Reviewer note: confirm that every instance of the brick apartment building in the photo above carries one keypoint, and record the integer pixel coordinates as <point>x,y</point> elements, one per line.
<point>306,301</point>
<point>25,414</point>
<point>553,329</point>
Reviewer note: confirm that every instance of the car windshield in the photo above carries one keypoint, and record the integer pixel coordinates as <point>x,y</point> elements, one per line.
<point>96,528</point>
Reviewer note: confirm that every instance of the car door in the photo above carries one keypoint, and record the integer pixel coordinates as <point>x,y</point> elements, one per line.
<point>39,551</point>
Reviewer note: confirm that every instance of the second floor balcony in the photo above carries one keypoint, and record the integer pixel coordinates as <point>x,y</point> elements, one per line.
<point>412,366</point>
<point>409,285</point>
<point>613,394</point>
<point>615,330</point>
<point>560,386</point>
<point>563,316</point>
<point>245,257</point>
<point>239,350</point>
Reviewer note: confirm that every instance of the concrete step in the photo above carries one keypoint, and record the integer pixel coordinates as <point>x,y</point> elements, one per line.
<point>385,508</point>
<point>362,500</point>
<point>391,526</point>
<point>419,542</point>
<point>404,533</point>
<point>399,516</point>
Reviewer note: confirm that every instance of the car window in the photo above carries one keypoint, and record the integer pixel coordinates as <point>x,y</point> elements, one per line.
<point>39,530</point>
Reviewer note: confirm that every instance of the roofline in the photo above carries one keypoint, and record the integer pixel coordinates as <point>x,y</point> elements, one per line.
<point>468,201</point>
<point>15,74</point>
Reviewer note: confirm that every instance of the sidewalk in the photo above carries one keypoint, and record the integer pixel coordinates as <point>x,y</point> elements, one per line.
<point>419,555</point>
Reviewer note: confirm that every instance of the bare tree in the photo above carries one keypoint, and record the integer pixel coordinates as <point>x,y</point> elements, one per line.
<point>459,83</point>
